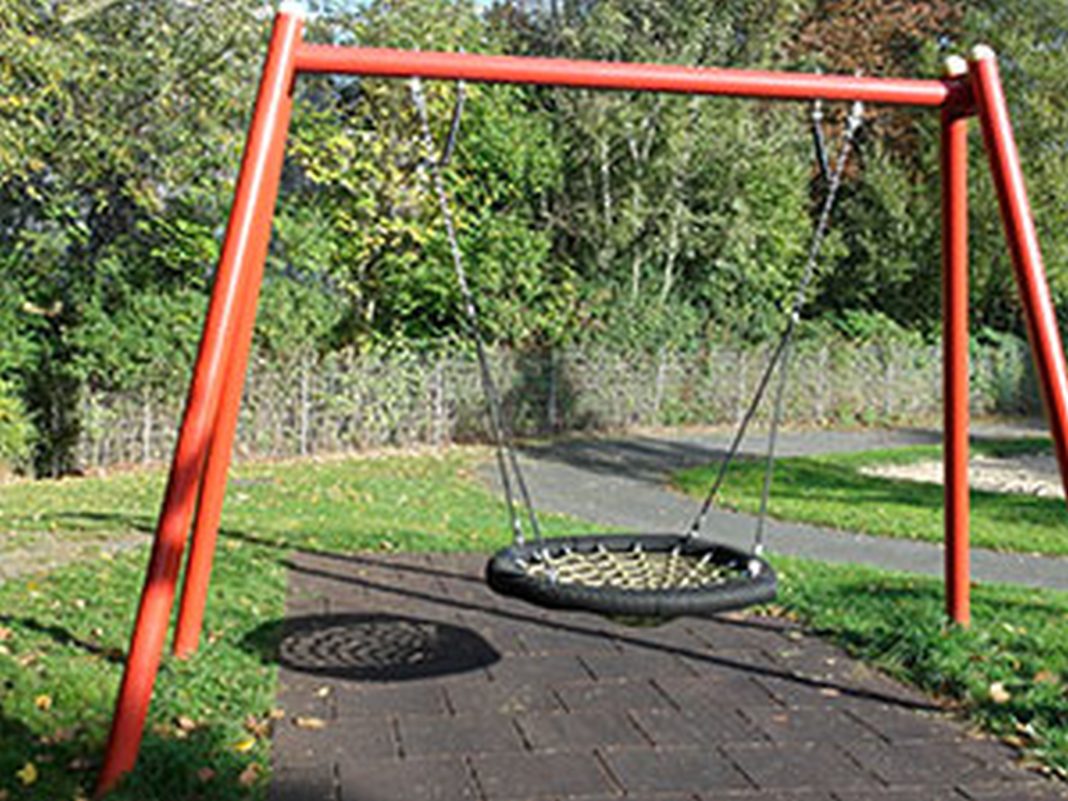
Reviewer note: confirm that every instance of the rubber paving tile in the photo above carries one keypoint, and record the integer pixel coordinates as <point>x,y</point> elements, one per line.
<point>423,685</point>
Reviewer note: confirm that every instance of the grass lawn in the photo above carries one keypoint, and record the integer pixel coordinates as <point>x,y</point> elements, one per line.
<point>830,490</point>
<point>62,634</point>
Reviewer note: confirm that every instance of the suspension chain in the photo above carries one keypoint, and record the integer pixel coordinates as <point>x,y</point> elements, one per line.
<point>503,444</point>
<point>781,354</point>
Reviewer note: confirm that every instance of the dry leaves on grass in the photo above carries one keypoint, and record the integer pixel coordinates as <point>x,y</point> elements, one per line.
<point>27,774</point>
<point>64,734</point>
<point>1046,677</point>
<point>998,694</point>
<point>309,723</point>
<point>185,723</point>
<point>249,775</point>
<point>256,727</point>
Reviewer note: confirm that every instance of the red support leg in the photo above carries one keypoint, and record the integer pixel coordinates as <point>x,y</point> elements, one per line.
<point>213,488</point>
<point>1020,233</point>
<point>244,244</point>
<point>955,353</point>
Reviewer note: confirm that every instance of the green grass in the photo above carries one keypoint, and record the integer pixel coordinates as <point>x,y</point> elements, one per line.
<point>830,490</point>
<point>1018,637</point>
<point>61,634</point>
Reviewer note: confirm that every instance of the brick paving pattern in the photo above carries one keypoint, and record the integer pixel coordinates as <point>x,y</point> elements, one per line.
<point>403,678</point>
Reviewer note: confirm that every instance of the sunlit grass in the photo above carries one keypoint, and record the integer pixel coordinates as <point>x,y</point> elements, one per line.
<point>830,490</point>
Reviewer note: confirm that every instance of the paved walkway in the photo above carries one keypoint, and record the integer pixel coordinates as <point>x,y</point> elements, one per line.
<point>404,679</point>
<point>622,482</point>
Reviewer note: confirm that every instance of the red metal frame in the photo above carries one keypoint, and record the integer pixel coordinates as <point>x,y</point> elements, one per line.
<point>202,454</point>
<point>624,76</point>
<point>954,165</point>
<point>1046,347</point>
<point>232,299</point>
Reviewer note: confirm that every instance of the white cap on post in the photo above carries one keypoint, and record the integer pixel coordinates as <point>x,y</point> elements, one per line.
<point>982,52</point>
<point>293,8</point>
<point>954,67</point>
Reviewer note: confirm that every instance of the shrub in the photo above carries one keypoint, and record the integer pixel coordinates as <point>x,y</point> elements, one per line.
<point>16,431</point>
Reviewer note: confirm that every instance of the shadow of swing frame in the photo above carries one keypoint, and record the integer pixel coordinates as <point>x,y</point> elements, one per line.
<point>197,479</point>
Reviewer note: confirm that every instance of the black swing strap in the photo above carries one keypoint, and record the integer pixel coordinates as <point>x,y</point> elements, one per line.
<point>505,450</point>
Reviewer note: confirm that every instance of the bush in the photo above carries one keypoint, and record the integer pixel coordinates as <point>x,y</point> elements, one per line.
<point>16,431</point>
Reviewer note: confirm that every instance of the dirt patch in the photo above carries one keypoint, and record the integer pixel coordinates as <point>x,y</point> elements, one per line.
<point>1031,474</point>
<point>50,552</point>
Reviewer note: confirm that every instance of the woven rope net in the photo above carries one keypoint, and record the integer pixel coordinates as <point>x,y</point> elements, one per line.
<point>634,569</point>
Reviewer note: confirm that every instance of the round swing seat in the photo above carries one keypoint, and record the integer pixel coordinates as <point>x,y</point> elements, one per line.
<point>639,576</point>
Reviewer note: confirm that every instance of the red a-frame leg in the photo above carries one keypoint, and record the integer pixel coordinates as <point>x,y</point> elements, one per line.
<point>220,357</point>
<point>1022,240</point>
<point>955,351</point>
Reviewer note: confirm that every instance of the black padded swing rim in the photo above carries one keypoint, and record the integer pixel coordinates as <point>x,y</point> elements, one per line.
<point>505,576</point>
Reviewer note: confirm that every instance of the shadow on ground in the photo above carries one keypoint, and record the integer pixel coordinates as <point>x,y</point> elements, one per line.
<point>651,458</point>
<point>370,647</point>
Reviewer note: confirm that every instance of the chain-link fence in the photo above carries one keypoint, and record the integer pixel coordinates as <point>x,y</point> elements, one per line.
<point>349,401</point>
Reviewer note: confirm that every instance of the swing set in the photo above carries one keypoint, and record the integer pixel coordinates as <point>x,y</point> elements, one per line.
<point>643,575</point>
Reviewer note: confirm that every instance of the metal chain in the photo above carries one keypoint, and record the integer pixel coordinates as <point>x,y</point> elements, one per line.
<point>505,451</point>
<point>782,349</point>
<point>852,124</point>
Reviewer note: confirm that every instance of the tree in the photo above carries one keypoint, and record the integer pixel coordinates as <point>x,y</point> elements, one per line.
<point>362,166</point>
<point>698,203</point>
<point>114,159</point>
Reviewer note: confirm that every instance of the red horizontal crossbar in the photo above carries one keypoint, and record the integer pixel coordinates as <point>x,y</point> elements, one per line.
<point>622,75</point>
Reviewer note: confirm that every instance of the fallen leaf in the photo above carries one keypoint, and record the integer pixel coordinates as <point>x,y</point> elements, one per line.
<point>185,723</point>
<point>309,723</point>
<point>277,713</point>
<point>43,702</point>
<point>4,795</point>
<point>28,774</point>
<point>5,633</point>
<point>61,735</point>
<point>998,693</point>
<point>249,775</point>
<point>206,774</point>
<point>322,692</point>
<point>79,763</point>
<point>1046,677</point>
<point>245,744</point>
<point>257,727</point>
